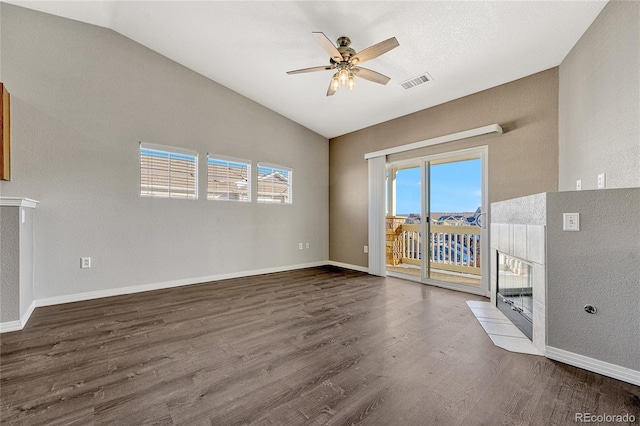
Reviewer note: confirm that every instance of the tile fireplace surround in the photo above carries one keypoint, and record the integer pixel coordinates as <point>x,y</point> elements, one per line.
<point>518,229</point>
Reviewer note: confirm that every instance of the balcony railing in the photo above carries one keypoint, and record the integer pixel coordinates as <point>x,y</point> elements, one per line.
<point>452,248</point>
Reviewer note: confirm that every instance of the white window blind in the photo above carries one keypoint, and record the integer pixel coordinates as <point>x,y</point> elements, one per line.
<point>377,261</point>
<point>228,179</point>
<point>168,172</point>
<point>275,184</point>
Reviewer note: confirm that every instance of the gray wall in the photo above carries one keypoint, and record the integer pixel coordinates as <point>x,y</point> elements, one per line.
<point>599,102</point>
<point>522,161</point>
<point>598,265</point>
<point>82,98</point>
<point>9,264</point>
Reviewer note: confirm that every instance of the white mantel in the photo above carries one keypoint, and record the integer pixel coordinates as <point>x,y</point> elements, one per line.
<point>18,202</point>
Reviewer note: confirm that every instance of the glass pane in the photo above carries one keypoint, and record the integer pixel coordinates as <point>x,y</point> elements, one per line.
<point>404,244</point>
<point>455,218</point>
<point>167,174</point>
<point>274,185</point>
<point>228,180</point>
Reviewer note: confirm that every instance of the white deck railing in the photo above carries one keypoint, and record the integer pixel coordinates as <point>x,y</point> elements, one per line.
<point>452,248</point>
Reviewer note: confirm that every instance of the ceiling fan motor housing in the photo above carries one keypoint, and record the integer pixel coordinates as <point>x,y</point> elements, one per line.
<point>344,49</point>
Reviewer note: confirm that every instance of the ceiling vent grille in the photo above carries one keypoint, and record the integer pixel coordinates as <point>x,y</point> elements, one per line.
<point>416,81</point>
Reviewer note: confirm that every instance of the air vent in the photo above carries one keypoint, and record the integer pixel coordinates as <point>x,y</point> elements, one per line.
<point>416,81</point>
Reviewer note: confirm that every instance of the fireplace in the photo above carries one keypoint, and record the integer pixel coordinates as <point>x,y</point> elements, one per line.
<point>515,291</point>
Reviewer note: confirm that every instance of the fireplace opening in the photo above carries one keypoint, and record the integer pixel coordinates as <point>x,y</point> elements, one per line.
<point>515,292</point>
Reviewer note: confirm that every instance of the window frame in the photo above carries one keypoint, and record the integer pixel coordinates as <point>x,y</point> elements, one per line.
<point>168,150</point>
<point>275,167</point>
<point>228,159</point>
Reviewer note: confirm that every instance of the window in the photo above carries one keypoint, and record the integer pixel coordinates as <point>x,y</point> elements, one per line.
<point>228,179</point>
<point>274,184</point>
<point>168,172</point>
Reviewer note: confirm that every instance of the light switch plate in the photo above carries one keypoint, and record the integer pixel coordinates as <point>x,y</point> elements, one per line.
<point>571,221</point>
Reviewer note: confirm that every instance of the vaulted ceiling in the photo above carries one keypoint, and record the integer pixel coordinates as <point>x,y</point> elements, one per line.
<point>465,46</point>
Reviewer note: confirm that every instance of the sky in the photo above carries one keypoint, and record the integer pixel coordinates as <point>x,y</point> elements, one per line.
<point>455,187</point>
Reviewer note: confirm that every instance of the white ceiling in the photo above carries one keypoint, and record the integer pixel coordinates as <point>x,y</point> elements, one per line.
<point>247,46</point>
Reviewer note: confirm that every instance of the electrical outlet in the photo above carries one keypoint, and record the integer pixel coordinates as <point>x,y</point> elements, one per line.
<point>85,262</point>
<point>571,221</point>
<point>300,246</point>
<point>601,181</point>
<point>579,185</point>
<point>366,249</point>
<point>307,245</point>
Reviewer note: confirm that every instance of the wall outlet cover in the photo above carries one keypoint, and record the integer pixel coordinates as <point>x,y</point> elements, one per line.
<point>85,262</point>
<point>602,182</point>
<point>571,221</point>
<point>579,185</point>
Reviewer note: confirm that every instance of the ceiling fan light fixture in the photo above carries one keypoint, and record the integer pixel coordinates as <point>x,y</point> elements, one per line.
<point>351,84</point>
<point>335,82</point>
<point>343,75</point>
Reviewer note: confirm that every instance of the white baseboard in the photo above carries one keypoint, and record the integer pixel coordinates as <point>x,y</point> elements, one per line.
<point>348,266</point>
<point>606,369</point>
<point>78,297</point>
<point>6,327</point>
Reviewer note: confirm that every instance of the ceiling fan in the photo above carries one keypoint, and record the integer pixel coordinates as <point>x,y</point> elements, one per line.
<point>347,62</point>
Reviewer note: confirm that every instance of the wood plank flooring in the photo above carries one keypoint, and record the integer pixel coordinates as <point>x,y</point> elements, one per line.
<point>307,347</point>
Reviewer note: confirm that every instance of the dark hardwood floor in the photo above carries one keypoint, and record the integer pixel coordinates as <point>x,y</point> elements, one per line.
<point>313,346</point>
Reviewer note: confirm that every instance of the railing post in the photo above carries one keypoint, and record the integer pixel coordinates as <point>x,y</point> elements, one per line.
<point>394,239</point>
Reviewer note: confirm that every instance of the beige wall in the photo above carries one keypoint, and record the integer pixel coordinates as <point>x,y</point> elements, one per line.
<point>522,161</point>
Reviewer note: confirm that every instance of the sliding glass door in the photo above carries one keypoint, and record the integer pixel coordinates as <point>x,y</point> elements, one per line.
<point>436,217</point>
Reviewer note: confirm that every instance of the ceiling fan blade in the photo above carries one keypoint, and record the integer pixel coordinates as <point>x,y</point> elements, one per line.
<point>370,75</point>
<point>328,46</point>
<point>312,69</point>
<point>330,90</point>
<point>375,50</point>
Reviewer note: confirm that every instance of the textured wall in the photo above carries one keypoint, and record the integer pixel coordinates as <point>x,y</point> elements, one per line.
<point>597,265</point>
<point>83,97</point>
<point>522,161</point>
<point>599,112</point>
<point>9,264</point>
